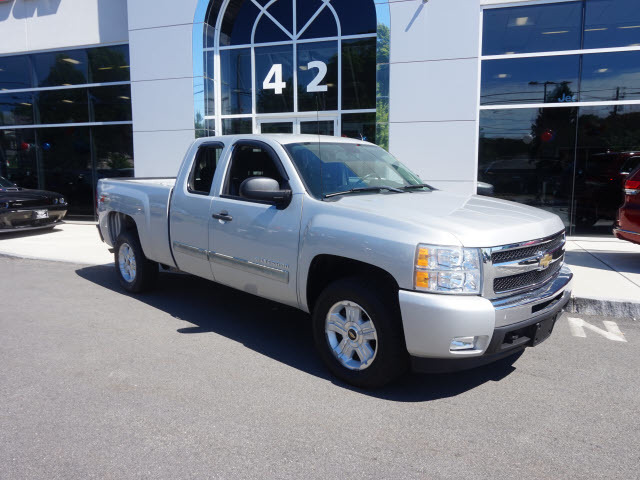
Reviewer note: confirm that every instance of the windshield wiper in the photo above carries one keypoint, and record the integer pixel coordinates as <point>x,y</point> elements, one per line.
<point>421,185</point>
<point>364,189</point>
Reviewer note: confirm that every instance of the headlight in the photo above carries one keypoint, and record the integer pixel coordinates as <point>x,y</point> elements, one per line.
<point>447,269</point>
<point>61,200</point>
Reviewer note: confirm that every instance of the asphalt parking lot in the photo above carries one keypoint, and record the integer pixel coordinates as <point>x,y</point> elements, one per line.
<point>199,381</point>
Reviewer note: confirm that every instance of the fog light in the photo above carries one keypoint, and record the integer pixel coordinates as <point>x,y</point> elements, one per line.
<point>463,343</point>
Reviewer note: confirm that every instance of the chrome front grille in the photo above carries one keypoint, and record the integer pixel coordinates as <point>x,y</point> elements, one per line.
<point>515,268</point>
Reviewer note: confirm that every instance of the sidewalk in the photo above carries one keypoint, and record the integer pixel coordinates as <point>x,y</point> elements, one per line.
<point>606,282</point>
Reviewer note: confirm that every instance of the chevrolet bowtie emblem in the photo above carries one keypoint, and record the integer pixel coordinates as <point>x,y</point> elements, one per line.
<point>545,261</point>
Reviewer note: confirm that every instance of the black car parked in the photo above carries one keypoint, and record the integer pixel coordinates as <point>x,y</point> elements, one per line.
<point>25,209</point>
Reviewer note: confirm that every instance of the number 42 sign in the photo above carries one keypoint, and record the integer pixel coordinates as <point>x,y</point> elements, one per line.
<point>273,80</point>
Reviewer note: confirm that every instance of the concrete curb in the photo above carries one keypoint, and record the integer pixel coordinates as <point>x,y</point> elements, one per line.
<point>604,308</point>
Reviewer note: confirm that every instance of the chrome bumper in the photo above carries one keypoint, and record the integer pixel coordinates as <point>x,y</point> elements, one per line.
<point>432,321</point>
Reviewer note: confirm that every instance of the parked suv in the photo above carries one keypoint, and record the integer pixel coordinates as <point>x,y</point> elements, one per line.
<point>627,226</point>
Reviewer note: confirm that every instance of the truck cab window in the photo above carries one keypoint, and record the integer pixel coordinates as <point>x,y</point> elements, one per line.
<point>251,161</point>
<point>204,168</point>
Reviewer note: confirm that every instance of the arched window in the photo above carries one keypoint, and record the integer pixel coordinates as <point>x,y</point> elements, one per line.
<point>293,66</point>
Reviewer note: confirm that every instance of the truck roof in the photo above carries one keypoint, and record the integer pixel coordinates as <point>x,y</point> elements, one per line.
<point>285,138</point>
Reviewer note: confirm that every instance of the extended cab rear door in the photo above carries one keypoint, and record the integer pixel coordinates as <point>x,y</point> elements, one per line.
<point>254,245</point>
<point>190,207</point>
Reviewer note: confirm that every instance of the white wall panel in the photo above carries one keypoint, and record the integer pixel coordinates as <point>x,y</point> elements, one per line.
<point>434,30</point>
<point>50,24</point>
<point>145,13</point>
<point>160,154</point>
<point>162,104</point>
<point>159,53</point>
<point>13,26</point>
<point>435,90</point>
<point>442,151</point>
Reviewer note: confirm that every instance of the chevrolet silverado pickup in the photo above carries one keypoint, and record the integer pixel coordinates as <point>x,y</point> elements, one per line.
<point>395,273</point>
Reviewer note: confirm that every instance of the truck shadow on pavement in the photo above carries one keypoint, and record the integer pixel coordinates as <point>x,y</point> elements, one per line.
<point>279,332</point>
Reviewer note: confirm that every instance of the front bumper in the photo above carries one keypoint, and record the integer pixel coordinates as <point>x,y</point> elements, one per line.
<point>501,326</point>
<point>24,218</point>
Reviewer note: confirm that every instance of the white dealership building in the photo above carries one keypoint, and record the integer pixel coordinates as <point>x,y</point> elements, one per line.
<point>520,94</point>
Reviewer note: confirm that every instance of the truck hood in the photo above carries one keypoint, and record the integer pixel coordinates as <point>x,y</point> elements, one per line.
<point>476,221</point>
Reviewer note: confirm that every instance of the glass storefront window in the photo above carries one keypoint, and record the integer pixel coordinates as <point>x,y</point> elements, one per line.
<point>62,106</point>
<point>274,79</point>
<point>18,157</point>
<point>112,147</point>
<point>612,23</point>
<point>358,70</point>
<point>236,81</point>
<point>527,155</point>
<point>109,64</point>
<point>237,22</point>
<point>611,76</point>
<point>608,137</point>
<point>324,25</point>
<point>530,80</point>
<point>16,109</point>
<point>236,126</point>
<point>15,72</point>
<point>317,76</point>
<point>60,68</point>
<point>66,166</point>
<point>110,104</point>
<point>359,125</point>
<point>536,28</point>
<point>357,17</point>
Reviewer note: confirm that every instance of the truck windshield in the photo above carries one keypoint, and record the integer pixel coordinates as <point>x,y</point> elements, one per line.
<point>329,168</point>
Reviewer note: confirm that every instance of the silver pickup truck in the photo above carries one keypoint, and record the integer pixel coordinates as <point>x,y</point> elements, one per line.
<point>394,273</point>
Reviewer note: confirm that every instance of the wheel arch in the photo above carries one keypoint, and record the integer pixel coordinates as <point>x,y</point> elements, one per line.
<point>325,269</point>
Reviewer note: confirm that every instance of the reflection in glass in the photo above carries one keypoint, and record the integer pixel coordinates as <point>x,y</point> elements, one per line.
<point>236,81</point>
<point>267,31</point>
<point>274,79</point>
<point>62,106</point>
<point>282,11</point>
<point>358,72</point>
<point>276,127</point>
<point>528,154</point>
<point>18,157</point>
<point>530,80</point>
<point>113,152</point>
<point>317,127</point>
<point>67,166</point>
<point>61,68</point>
<point>612,23</point>
<point>305,9</point>
<point>324,25</point>
<point>15,72</point>
<point>611,76</point>
<point>210,20</point>
<point>236,126</point>
<point>608,140</point>
<point>16,109</point>
<point>237,23</point>
<point>356,16</point>
<point>359,125</point>
<point>311,76</point>
<point>536,28</point>
<point>110,104</point>
<point>109,64</point>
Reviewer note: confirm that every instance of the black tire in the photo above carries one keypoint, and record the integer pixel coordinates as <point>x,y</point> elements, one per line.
<point>144,274</point>
<point>380,304</point>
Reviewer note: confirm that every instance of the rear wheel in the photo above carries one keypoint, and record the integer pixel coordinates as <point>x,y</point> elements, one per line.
<point>135,272</point>
<point>357,331</point>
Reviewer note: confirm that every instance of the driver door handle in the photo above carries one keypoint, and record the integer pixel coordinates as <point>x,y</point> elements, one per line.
<point>224,216</point>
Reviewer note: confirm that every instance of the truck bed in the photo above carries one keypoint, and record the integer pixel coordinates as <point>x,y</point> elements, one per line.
<point>146,200</point>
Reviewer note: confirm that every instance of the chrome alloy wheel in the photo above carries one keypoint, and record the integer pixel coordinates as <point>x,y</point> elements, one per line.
<point>351,335</point>
<point>127,262</point>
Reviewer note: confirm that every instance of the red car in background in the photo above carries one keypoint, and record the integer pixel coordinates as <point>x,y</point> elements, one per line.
<point>627,226</point>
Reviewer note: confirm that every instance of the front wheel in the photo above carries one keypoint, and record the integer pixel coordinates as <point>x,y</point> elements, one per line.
<point>135,272</point>
<point>357,331</point>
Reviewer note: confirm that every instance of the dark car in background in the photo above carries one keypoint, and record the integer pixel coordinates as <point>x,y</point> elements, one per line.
<point>26,209</point>
<point>627,226</point>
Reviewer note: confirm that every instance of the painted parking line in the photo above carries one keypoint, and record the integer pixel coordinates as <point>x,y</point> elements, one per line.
<point>612,332</point>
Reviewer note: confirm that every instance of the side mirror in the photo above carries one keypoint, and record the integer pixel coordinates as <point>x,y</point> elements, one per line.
<point>265,189</point>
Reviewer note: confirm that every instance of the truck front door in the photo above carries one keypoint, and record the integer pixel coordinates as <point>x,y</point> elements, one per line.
<point>254,245</point>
